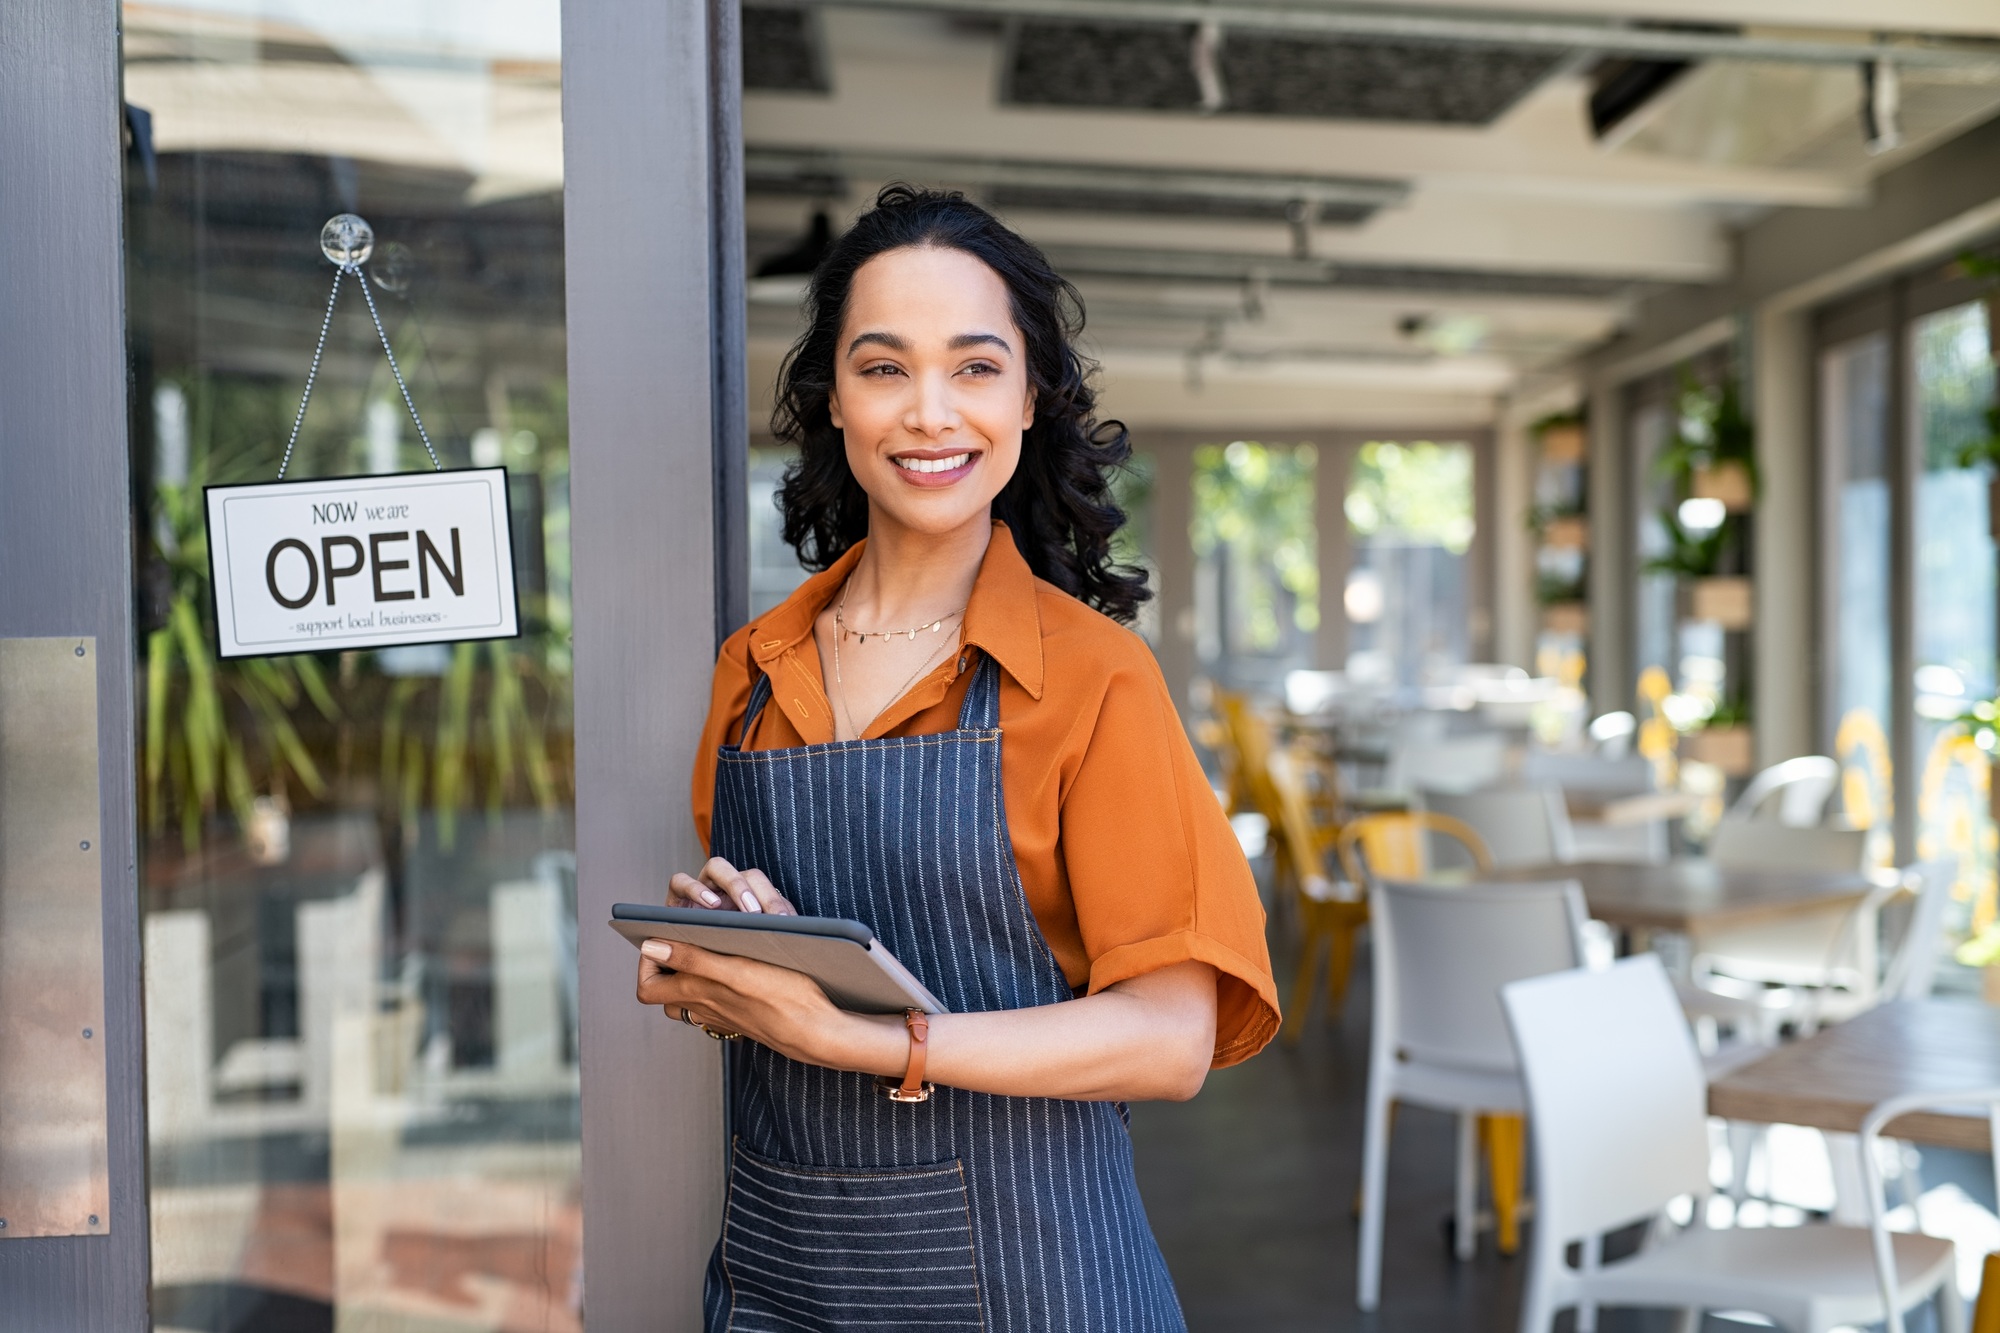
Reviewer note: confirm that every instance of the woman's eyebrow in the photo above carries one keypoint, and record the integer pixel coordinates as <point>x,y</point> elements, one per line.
<point>888,340</point>
<point>965,340</point>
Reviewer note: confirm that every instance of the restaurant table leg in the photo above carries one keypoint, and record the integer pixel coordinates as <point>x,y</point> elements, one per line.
<point>1986,1314</point>
<point>1850,1187</point>
<point>1465,1230</point>
<point>1505,1138</point>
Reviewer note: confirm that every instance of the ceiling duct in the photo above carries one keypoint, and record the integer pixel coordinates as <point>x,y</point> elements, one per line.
<point>1602,37</point>
<point>1213,266</point>
<point>1082,186</point>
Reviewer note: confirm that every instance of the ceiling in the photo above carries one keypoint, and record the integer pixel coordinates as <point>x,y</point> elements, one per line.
<point>1403,218</point>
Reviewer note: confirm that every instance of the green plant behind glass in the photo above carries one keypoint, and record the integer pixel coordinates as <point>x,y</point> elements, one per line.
<point>218,733</point>
<point>216,730</point>
<point>1257,499</point>
<point>1420,491</point>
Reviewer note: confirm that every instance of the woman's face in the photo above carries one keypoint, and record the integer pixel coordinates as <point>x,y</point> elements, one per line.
<point>930,388</point>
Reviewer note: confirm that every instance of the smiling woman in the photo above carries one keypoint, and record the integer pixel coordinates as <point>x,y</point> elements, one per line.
<point>948,735</point>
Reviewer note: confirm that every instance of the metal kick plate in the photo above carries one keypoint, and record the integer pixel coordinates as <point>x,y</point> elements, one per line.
<point>52,1097</point>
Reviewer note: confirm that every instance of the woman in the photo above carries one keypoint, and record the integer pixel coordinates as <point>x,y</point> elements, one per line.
<point>947,734</point>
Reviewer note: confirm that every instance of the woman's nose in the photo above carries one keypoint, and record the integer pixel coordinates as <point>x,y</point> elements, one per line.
<point>932,411</point>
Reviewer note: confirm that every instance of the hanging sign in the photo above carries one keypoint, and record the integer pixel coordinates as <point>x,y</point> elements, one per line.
<point>362,562</point>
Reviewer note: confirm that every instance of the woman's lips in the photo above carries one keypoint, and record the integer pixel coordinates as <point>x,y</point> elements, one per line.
<point>935,472</point>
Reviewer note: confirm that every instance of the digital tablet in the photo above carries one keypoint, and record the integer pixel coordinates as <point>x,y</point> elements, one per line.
<point>855,969</point>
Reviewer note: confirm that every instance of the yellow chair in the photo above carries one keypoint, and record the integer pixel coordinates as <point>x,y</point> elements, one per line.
<point>1986,1312</point>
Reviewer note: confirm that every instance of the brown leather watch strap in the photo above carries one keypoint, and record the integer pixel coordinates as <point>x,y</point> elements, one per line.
<point>912,1088</point>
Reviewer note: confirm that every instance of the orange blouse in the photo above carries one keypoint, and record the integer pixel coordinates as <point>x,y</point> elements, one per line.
<point>1127,858</point>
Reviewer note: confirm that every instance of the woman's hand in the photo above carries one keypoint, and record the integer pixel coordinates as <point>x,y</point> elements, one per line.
<point>722,885</point>
<point>774,1006</point>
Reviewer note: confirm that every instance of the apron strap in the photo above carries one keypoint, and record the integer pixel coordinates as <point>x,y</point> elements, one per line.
<point>981,711</point>
<point>760,694</point>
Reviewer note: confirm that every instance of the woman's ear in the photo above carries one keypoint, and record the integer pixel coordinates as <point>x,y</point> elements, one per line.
<point>1027,410</point>
<point>833,409</point>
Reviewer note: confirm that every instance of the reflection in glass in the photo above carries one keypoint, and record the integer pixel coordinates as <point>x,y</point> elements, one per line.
<point>1953,384</point>
<point>1854,415</point>
<point>1655,612</point>
<point>1410,508</point>
<point>357,869</point>
<point>1256,561</point>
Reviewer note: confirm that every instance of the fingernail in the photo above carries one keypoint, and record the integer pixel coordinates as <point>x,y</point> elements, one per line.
<point>711,897</point>
<point>750,903</point>
<point>657,950</point>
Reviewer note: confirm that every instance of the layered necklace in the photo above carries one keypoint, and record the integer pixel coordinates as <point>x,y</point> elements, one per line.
<point>841,631</point>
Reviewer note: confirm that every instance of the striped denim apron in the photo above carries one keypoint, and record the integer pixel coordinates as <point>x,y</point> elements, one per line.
<point>847,1210</point>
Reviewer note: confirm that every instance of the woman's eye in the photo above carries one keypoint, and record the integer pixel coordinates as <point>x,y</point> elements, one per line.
<point>884,369</point>
<point>981,368</point>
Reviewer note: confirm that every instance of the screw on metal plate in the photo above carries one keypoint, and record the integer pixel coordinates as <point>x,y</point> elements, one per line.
<point>86,1034</point>
<point>79,650</point>
<point>93,1219</point>
<point>84,846</point>
<point>3,1224</point>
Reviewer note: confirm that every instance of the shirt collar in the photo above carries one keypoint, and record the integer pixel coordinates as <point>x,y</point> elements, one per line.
<point>1002,618</point>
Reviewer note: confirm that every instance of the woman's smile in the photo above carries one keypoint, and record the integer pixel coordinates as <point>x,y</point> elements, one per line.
<point>934,468</point>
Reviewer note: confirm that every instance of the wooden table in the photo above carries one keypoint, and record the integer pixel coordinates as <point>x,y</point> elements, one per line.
<point>1693,896</point>
<point>1831,1080</point>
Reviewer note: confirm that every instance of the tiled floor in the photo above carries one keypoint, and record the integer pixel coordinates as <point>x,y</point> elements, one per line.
<point>1251,1189</point>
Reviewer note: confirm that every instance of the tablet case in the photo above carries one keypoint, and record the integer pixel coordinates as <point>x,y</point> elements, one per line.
<point>855,969</point>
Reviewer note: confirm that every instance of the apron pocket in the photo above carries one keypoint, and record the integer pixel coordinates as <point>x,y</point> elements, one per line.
<point>839,1248</point>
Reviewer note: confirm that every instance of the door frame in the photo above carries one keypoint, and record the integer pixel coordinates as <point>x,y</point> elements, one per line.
<point>66,557</point>
<point>654,271</point>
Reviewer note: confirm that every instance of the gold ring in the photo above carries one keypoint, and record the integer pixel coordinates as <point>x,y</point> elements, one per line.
<point>686,1017</point>
<point>718,1035</point>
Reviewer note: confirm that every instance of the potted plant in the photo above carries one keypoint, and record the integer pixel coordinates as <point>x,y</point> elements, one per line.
<point>1723,739</point>
<point>1713,454</point>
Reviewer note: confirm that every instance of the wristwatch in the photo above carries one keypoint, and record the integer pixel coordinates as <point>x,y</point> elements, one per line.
<point>912,1088</point>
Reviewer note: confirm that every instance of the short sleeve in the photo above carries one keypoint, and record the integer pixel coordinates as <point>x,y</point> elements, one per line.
<point>729,698</point>
<point>1155,872</point>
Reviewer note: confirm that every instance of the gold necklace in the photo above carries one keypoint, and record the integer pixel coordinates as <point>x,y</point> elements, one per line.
<point>840,622</point>
<point>840,683</point>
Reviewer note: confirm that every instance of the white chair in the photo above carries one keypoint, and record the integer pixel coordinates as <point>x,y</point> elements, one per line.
<point>1612,733</point>
<point>1608,777</point>
<point>1888,1259</point>
<point>1792,793</point>
<point>1441,956</point>
<point>1446,763</point>
<point>1820,947</point>
<point>1618,1109</point>
<point>1522,825</point>
<point>1758,844</point>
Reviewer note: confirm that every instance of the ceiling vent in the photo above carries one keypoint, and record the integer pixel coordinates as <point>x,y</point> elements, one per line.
<point>1132,66</point>
<point>1154,67</point>
<point>1426,83</point>
<point>783,50</point>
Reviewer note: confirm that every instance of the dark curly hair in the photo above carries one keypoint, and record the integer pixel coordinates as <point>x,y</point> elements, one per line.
<point>1058,502</point>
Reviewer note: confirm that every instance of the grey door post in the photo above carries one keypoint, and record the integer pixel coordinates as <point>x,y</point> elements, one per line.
<point>654,277</point>
<point>66,565</point>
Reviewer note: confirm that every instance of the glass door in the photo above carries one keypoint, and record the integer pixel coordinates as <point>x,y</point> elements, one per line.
<point>357,868</point>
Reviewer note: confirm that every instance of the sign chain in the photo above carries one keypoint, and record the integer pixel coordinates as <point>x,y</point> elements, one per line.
<point>320,347</point>
<point>313,373</point>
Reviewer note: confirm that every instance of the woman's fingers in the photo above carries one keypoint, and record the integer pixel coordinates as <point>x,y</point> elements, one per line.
<point>687,891</point>
<point>746,890</point>
<point>767,894</point>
